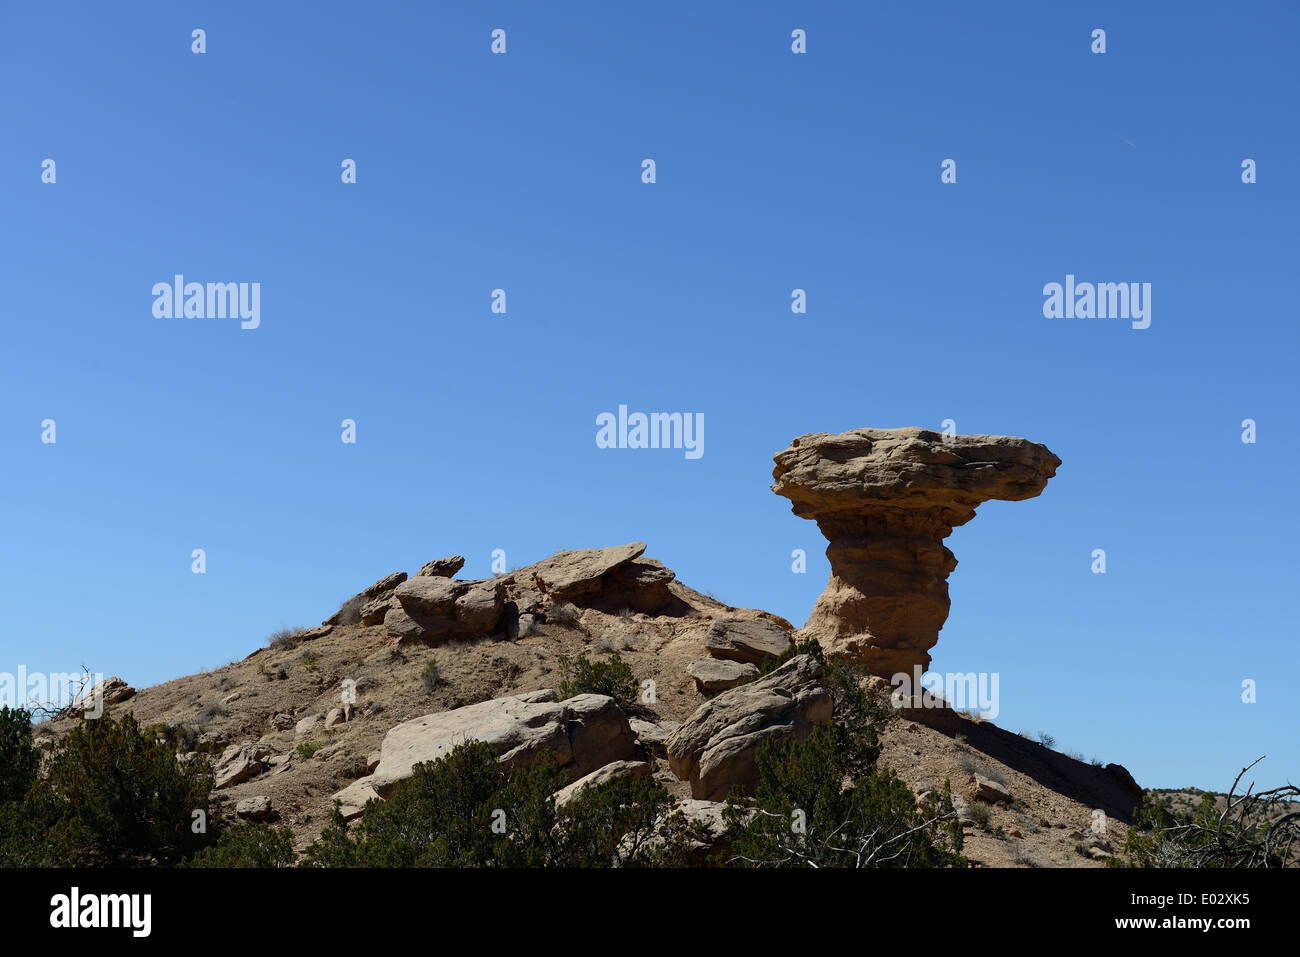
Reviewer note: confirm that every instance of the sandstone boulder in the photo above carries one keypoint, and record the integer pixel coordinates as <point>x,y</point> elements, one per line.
<point>714,748</point>
<point>238,763</point>
<point>886,499</point>
<point>654,735</point>
<point>746,640</point>
<point>987,790</point>
<point>432,609</point>
<point>615,769</point>
<point>380,589</point>
<point>254,808</point>
<point>572,575</point>
<point>585,732</point>
<point>442,567</point>
<point>715,674</point>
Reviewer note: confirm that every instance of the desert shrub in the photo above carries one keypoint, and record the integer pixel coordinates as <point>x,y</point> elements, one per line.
<point>250,844</point>
<point>1046,740</point>
<point>1252,830</point>
<point>430,676</point>
<point>612,677</point>
<point>802,814</point>
<point>564,613</point>
<point>981,814</point>
<point>350,610</point>
<point>466,810</point>
<point>19,759</point>
<point>307,748</point>
<point>285,639</point>
<point>116,796</point>
<point>210,711</point>
<point>310,660</point>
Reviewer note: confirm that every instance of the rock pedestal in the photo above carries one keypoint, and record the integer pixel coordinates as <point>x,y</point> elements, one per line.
<point>886,499</point>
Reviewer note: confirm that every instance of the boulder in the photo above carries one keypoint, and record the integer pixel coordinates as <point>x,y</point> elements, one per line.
<point>430,609</point>
<point>442,567</point>
<point>311,634</point>
<point>585,732</point>
<point>615,769</point>
<point>746,640</point>
<point>987,790</point>
<point>238,763</point>
<point>353,798</point>
<point>307,725</point>
<point>254,808</point>
<point>715,674</point>
<point>886,499</point>
<point>107,692</point>
<point>654,735</point>
<point>568,576</point>
<point>374,610</point>
<point>380,589</point>
<point>334,718</point>
<point>714,748</point>
<point>283,721</point>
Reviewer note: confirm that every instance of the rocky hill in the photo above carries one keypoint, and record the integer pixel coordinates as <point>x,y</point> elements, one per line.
<point>412,665</point>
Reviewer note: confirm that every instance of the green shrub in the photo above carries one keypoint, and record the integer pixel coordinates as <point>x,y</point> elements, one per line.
<point>19,759</point>
<point>612,677</point>
<point>250,844</point>
<point>466,810</point>
<point>310,660</point>
<point>981,814</point>
<point>307,748</point>
<point>116,796</point>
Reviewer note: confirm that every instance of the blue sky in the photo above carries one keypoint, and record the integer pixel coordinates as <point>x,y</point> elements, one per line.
<point>775,171</point>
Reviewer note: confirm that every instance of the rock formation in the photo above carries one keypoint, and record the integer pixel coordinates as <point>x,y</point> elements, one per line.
<point>714,748</point>
<point>886,499</point>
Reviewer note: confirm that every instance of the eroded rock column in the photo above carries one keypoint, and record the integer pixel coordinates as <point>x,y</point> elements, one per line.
<point>886,499</point>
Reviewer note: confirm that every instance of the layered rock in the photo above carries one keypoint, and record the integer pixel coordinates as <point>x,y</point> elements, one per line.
<point>432,609</point>
<point>886,499</point>
<point>715,747</point>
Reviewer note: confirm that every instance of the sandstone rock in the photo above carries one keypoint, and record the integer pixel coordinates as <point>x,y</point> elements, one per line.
<point>307,725</point>
<point>886,499</point>
<point>586,732</point>
<point>615,769</point>
<point>353,798</point>
<point>654,736</point>
<point>430,609</point>
<point>334,718</point>
<point>372,762</point>
<point>714,674</point>
<point>714,748</point>
<point>311,634</point>
<point>572,575</point>
<point>988,791</point>
<point>283,721</point>
<point>640,585</point>
<point>746,640</point>
<point>380,589</point>
<point>232,698</point>
<point>254,808</point>
<point>110,691</point>
<point>238,763</point>
<point>374,610</point>
<point>442,567</point>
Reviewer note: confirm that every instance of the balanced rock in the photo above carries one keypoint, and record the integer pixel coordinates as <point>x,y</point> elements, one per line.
<point>714,748</point>
<point>886,499</point>
<point>572,575</point>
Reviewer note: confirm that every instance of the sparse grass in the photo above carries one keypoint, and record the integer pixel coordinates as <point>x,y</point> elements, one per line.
<point>350,611</point>
<point>210,711</point>
<point>310,660</point>
<point>286,639</point>
<point>564,613</point>
<point>626,613</point>
<point>981,814</point>
<point>1097,763</point>
<point>1047,740</point>
<point>307,748</point>
<point>959,742</point>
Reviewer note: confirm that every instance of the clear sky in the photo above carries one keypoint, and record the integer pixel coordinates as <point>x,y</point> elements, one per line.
<point>774,171</point>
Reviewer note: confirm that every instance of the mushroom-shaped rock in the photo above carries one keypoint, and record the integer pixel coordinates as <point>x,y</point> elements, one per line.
<point>886,499</point>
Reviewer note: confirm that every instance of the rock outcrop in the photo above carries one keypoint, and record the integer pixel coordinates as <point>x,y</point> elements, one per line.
<point>432,609</point>
<point>746,640</point>
<point>886,499</point>
<point>586,732</point>
<point>716,674</point>
<point>714,748</point>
